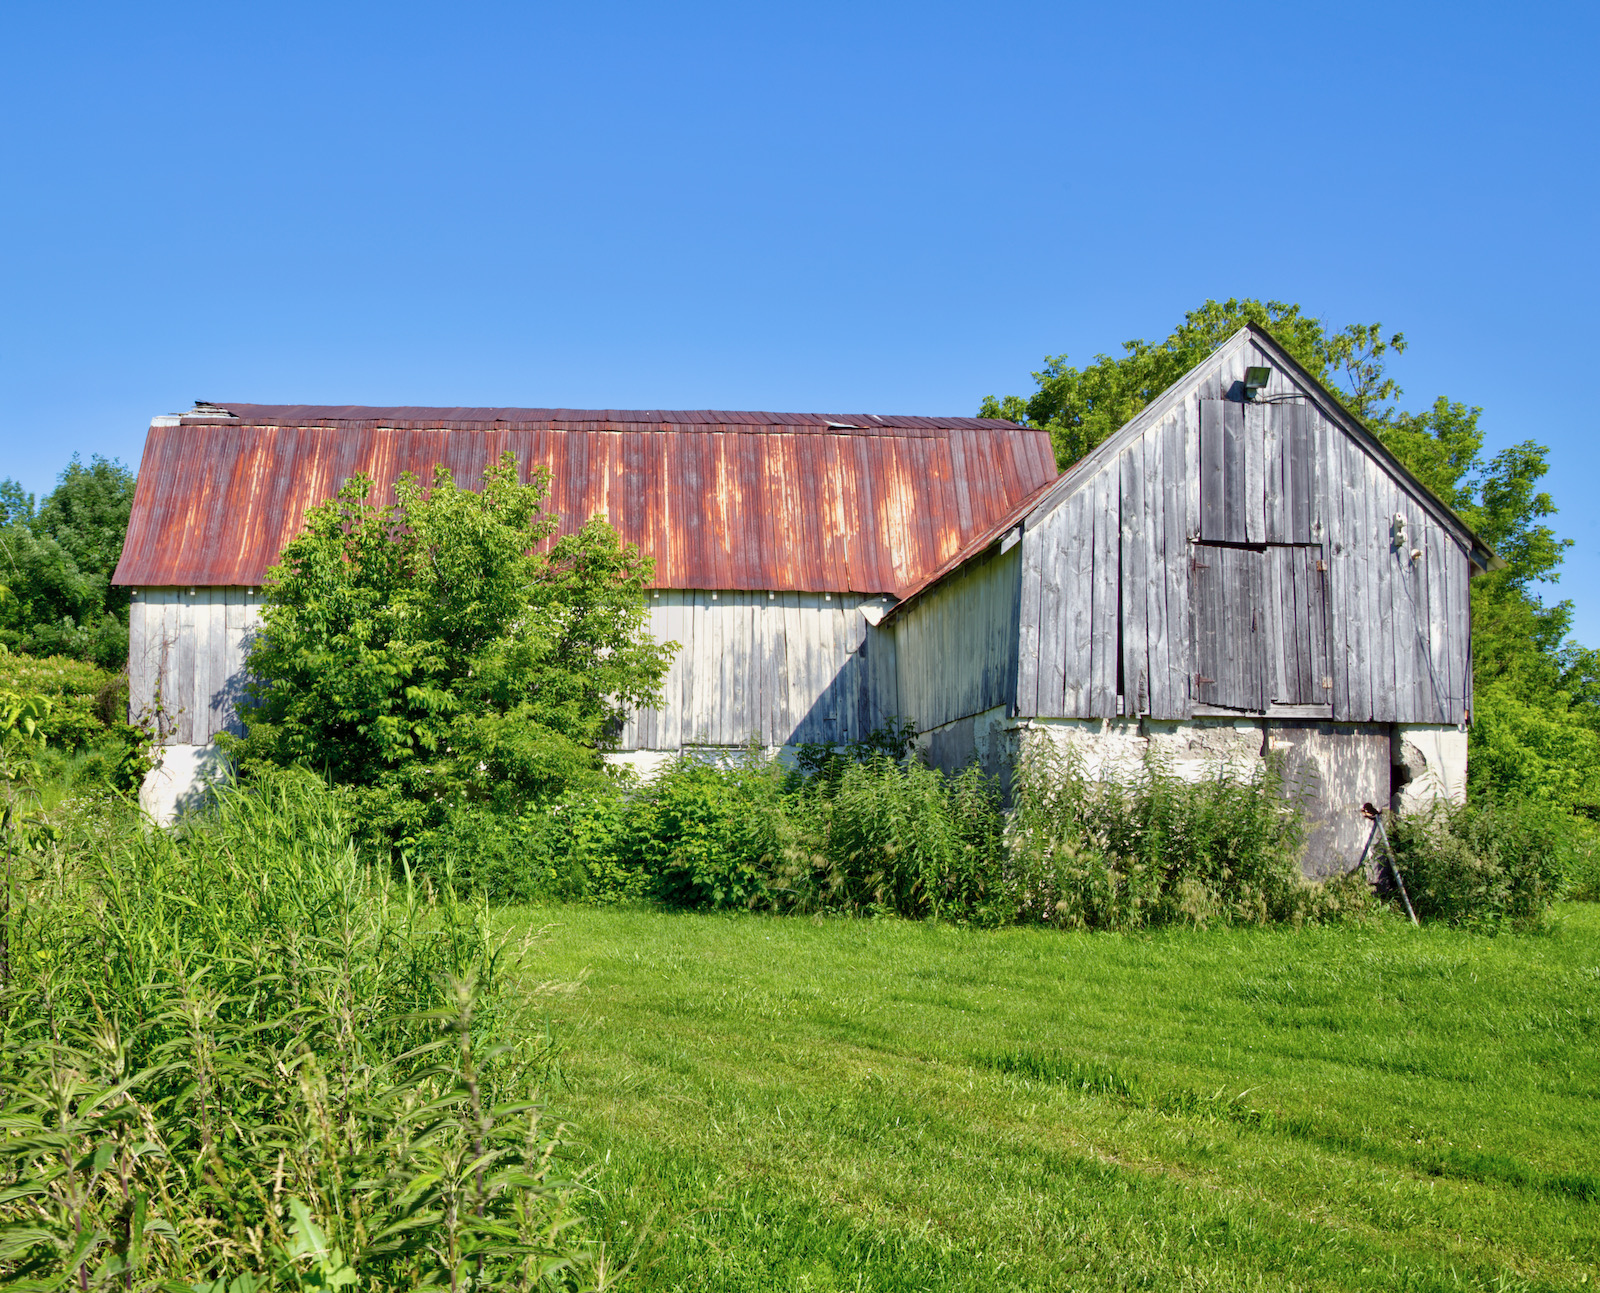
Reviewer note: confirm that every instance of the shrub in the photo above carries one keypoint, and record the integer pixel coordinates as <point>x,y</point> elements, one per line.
<point>448,650</point>
<point>236,1059</point>
<point>1123,852</point>
<point>702,835</point>
<point>907,840</point>
<point>572,850</point>
<point>1485,864</point>
<point>87,742</point>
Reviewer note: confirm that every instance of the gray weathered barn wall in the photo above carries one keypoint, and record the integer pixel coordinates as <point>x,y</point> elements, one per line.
<point>776,668</point>
<point>186,651</point>
<point>956,646</point>
<point>1240,556</point>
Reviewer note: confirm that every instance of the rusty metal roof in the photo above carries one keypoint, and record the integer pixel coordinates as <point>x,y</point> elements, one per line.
<point>780,501</point>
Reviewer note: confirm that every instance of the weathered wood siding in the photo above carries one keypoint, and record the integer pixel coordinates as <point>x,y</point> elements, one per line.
<point>784,668</point>
<point>779,668</point>
<point>1108,612</point>
<point>956,646</point>
<point>186,652</point>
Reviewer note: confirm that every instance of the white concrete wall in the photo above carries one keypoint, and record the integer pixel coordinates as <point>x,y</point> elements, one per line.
<point>1434,763</point>
<point>181,780</point>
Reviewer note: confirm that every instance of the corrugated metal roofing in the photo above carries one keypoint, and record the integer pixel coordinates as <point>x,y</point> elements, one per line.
<point>719,500</point>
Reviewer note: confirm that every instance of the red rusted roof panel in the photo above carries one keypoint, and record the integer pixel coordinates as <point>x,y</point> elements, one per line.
<point>784,502</point>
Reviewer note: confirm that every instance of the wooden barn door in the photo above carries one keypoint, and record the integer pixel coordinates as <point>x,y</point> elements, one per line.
<point>1230,629</point>
<point>1260,625</point>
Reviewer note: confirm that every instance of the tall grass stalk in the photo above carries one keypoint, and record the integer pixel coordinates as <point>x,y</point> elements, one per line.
<point>235,1058</point>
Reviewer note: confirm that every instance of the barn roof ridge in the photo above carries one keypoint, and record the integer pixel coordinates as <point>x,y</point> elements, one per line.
<point>474,418</point>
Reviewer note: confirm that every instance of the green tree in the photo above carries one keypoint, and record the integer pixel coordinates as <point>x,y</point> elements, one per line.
<point>448,651</point>
<point>1081,407</point>
<point>58,560</point>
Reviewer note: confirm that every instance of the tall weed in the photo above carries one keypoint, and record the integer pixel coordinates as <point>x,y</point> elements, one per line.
<point>1121,852</point>
<point>234,1059</point>
<point>907,840</point>
<point>1487,864</point>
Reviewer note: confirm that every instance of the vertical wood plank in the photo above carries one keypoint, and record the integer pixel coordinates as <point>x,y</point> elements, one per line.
<point>1233,473</point>
<point>1077,572</point>
<point>1276,502</point>
<point>1182,524</point>
<point>1055,609</point>
<point>1253,432</point>
<point>1134,580</point>
<point>1107,566</point>
<point>1160,487</point>
<point>1029,638</point>
<point>183,668</point>
<point>1213,519</point>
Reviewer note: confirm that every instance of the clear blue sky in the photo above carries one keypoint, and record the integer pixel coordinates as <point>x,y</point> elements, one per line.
<point>824,207</point>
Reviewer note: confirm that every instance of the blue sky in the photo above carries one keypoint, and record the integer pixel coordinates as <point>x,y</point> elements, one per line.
<point>825,207</point>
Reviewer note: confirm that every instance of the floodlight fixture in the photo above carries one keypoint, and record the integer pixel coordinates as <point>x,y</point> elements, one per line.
<point>1255,379</point>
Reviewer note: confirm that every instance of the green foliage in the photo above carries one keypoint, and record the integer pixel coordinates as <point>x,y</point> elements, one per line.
<point>895,838</point>
<point>443,652</point>
<point>1487,864</point>
<point>236,1058</point>
<point>707,835</point>
<point>57,562</point>
<point>87,744</point>
<point>1122,852</point>
<point>572,850</point>
<point>1082,407</point>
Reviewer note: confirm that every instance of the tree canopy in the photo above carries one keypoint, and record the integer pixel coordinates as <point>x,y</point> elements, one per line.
<point>1536,724</point>
<point>449,649</point>
<point>57,561</point>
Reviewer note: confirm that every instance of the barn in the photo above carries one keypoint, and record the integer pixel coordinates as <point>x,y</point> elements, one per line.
<point>1242,568</point>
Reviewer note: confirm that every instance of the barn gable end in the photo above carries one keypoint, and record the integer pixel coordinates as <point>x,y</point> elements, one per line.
<point>1230,573</point>
<point>1243,555</point>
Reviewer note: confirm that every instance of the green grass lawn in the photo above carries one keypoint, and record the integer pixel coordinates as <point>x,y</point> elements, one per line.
<point>815,1105</point>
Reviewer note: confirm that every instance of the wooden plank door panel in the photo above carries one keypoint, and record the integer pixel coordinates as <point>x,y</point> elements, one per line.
<point>1227,588</point>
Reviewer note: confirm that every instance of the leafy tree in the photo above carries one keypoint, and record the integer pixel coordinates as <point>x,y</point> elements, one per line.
<point>1082,407</point>
<point>1536,728</point>
<point>443,652</point>
<point>58,560</point>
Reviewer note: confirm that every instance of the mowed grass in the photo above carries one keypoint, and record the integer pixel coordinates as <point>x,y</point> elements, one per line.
<point>813,1105</point>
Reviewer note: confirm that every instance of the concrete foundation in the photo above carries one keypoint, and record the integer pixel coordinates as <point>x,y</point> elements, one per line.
<point>1333,769</point>
<point>1430,764</point>
<point>181,781</point>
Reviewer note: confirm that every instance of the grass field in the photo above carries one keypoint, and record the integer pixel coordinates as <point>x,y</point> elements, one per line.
<point>815,1105</point>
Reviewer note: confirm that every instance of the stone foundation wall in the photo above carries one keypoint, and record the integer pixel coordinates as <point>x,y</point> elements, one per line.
<point>1335,769</point>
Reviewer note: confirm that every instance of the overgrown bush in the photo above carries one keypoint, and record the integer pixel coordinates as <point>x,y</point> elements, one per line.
<point>88,743</point>
<point>878,836</point>
<point>448,652</point>
<point>1486,864</point>
<point>236,1059</point>
<point>572,850</point>
<point>1120,852</point>
<point>705,835</point>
